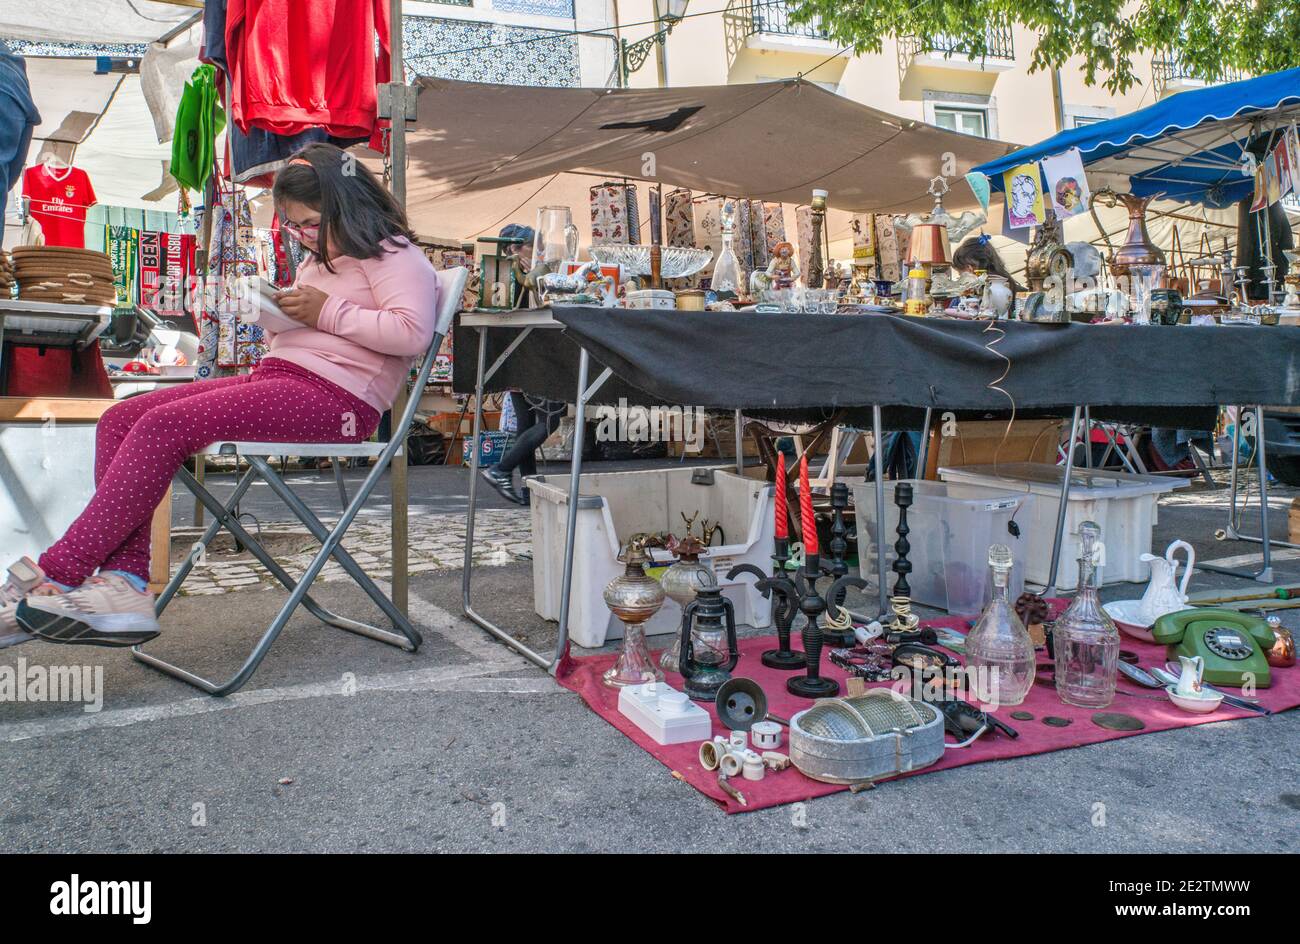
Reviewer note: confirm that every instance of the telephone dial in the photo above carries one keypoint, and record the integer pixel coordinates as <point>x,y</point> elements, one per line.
<point>1231,643</point>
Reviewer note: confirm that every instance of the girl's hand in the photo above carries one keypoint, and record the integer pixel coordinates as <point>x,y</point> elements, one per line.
<point>303,304</point>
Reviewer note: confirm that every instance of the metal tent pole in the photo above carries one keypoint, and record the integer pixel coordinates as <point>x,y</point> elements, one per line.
<point>878,460</point>
<point>397,110</point>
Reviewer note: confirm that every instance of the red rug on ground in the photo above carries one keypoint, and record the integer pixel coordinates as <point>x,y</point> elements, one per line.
<point>583,675</point>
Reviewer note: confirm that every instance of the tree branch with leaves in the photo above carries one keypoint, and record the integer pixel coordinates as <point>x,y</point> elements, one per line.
<point>1211,38</point>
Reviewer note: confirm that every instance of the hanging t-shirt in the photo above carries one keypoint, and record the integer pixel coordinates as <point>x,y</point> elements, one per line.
<point>321,73</point>
<point>59,202</point>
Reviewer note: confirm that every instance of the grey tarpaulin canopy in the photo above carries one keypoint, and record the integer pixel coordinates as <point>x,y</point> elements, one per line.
<point>773,141</point>
<point>94,21</point>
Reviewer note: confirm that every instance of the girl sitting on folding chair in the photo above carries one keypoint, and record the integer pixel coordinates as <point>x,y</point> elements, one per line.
<point>366,299</point>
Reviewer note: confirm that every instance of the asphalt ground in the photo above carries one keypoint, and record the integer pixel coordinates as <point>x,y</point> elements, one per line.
<point>340,743</point>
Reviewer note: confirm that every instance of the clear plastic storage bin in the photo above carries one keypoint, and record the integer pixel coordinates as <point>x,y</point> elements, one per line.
<point>613,506</point>
<point>950,537</point>
<point>1124,505</point>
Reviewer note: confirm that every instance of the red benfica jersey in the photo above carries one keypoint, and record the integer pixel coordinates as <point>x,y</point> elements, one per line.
<point>59,202</point>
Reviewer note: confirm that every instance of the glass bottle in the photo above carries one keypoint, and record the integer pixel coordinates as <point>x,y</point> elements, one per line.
<point>727,274</point>
<point>916,298</point>
<point>999,644</point>
<point>1084,638</point>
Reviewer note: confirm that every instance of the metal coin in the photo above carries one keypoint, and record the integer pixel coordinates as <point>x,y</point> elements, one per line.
<point>1058,722</point>
<point>1115,721</point>
<point>1022,715</point>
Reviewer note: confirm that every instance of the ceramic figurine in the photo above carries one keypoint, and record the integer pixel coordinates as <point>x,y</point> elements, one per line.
<point>783,270</point>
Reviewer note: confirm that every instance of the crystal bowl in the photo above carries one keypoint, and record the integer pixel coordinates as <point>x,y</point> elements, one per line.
<point>677,262</point>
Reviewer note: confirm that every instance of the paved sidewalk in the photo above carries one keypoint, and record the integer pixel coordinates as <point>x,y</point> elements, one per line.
<point>340,743</point>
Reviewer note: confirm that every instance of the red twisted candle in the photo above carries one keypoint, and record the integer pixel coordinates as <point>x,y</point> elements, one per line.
<point>806,519</point>
<point>782,513</point>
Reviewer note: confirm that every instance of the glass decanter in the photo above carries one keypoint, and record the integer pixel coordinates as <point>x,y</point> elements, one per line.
<point>727,274</point>
<point>1084,638</point>
<point>999,644</point>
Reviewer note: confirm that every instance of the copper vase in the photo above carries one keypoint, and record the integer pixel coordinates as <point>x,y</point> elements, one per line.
<point>1138,249</point>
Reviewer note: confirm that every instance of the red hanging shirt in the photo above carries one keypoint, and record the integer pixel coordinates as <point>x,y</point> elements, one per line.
<point>299,64</point>
<point>59,203</point>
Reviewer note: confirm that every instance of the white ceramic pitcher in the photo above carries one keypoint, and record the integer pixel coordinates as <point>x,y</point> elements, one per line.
<point>1163,595</point>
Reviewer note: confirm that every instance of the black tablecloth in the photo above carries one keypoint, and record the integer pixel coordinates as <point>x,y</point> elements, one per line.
<point>801,367</point>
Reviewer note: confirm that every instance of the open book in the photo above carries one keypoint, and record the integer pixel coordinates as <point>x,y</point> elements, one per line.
<point>257,306</point>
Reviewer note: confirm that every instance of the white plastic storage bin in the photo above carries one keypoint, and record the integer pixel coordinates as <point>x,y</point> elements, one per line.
<point>949,537</point>
<point>613,506</point>
<point>1125,506</point>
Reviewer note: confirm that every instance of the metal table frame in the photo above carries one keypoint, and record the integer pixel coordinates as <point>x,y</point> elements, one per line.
<point>529,321</point>
<point>1230,533</point>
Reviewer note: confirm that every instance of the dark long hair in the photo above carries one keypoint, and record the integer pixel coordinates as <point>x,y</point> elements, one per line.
<point>978,253</point>
<point>356,213</point>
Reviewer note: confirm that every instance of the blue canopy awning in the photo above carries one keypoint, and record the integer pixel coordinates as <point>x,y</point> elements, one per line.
<point>1187,147</point>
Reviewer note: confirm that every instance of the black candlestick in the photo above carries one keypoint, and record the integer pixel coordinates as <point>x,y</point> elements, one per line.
<point>785,605</point>
<point>902,566</point>
<point>812,604</point>
<point>839,546</point>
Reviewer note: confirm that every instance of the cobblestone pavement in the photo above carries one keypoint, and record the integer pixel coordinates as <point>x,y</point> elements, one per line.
<point>436,543</point>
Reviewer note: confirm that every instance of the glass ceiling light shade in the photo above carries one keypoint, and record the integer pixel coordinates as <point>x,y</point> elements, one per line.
<point>670,11</point>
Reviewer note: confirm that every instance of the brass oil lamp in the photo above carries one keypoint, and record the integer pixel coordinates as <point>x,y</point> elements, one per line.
<point>633,597</point>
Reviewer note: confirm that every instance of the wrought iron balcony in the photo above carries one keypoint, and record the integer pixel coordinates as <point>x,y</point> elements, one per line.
<point>745,18</point>
<point>1169,74</point>
<point>998,42</point>
<point>773,16</point>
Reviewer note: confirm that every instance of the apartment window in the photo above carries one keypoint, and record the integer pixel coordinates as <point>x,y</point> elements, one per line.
<point>1076,116</point>
<point>966,120</point>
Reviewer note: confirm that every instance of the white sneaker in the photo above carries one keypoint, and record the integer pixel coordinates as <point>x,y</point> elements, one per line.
<point>104,611</point>
<point>24,576</point>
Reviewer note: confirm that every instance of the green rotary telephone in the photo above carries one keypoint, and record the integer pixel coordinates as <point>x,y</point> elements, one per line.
<point>1231,643</point>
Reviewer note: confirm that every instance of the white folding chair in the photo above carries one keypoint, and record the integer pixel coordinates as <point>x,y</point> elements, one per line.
<point>451,284</point>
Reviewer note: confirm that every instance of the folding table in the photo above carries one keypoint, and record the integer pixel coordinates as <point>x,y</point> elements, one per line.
<point>776,363</point>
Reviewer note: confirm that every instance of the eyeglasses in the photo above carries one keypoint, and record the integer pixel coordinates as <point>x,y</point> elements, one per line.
<point>309,232</point>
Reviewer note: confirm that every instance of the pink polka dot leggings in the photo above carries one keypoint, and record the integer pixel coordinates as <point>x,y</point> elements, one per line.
<point>140,444</point>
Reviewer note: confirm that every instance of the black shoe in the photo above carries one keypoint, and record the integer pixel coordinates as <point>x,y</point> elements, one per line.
<point>504,484</point>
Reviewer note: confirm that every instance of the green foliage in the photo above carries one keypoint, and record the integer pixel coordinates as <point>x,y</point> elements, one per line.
<point>1110,37</point>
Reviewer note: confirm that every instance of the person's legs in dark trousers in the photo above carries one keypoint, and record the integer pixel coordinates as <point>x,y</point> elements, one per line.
<point>535,424</point>
<point>15,140</point>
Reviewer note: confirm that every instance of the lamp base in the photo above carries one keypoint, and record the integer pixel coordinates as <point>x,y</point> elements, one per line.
<point>806,687</point>
<point>704,684</point>
<point>786,660</point>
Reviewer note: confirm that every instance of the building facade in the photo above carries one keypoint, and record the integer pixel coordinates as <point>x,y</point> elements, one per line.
<point>997,97</point>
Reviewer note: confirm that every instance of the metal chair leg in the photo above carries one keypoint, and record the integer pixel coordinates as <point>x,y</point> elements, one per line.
<point>337,463</point>
<point>178,579</point>
<point>346,561</point>
<point>224,516</point>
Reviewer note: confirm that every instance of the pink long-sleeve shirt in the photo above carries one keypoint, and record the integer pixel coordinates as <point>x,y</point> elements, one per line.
<point>380,314</point>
